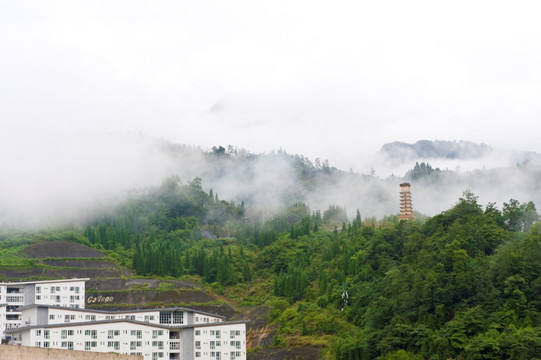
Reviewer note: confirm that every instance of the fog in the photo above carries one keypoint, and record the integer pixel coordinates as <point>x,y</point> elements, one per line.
<point>87,90</point>
<point>64,181</point>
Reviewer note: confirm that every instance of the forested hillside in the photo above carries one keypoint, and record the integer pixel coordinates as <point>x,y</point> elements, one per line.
<point>465,283</point>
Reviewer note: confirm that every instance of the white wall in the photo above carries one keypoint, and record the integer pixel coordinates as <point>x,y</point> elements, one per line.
<point>65,293</point>
<point>220,342</point>
<point>109,337</point>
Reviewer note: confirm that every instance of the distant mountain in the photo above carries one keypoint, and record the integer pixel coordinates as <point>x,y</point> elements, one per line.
<point>427,149</point>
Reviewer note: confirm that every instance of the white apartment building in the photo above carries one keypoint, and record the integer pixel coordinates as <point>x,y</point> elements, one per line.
<point>15,295</point>
<point>171,333</point>
<point>52,314</point>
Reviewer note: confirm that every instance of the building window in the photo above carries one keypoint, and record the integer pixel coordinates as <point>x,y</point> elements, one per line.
<point>137,333</point>
<point>38,289</point>
<point>156,333</point>
<point>47,334</point>
<point>197,332</point>
<point>114,344</point>
<point>90,344</point>
<point>198,345</point>
<point>197,354</point>
<point>46,344</point>
<point>217,334</point>
<point>165,317</point>
<point>38,332</point>
<point>178,317</point>
<point>92,333</point>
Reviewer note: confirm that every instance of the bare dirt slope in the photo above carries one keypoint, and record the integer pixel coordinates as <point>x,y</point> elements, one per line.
<point>60,249</point>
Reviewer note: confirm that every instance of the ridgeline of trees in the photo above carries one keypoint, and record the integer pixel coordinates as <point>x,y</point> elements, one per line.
<point>464,284</point>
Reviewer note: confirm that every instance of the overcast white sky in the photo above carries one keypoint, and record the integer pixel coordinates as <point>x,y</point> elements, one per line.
<point>328,79</point>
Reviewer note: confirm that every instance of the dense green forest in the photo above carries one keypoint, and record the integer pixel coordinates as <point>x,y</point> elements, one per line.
<point>465,283</point>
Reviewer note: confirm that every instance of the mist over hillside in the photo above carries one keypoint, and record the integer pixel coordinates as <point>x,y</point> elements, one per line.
<point>435,149</point>
<point>60,184</point>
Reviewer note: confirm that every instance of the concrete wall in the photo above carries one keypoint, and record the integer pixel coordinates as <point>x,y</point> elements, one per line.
<point>9,352</point>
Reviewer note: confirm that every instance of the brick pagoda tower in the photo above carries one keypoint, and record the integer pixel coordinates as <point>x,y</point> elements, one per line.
<point>406,208</point>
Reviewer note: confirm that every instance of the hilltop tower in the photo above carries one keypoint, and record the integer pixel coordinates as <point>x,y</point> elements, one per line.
<point>406,208</point>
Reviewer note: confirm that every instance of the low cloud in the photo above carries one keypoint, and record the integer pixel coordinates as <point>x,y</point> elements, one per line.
<point>58,180</point>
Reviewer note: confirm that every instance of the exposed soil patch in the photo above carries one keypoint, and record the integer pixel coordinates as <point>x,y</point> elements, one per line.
<point>80,273</point>
<point>52,273</point>
<point>95,264</point>
<point>164,297</point>
<point>12,274</point>
<point>257,316</point>
<point>294,353</point>
<point>137,284</point>
<point>59,249</point>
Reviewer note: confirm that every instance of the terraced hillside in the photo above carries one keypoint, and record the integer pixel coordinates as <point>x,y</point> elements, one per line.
<point>113,288</point>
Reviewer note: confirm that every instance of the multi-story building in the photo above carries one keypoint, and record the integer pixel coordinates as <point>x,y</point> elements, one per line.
<point>15,295</point>
<point>172,333</point>
<point>51,314</point>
